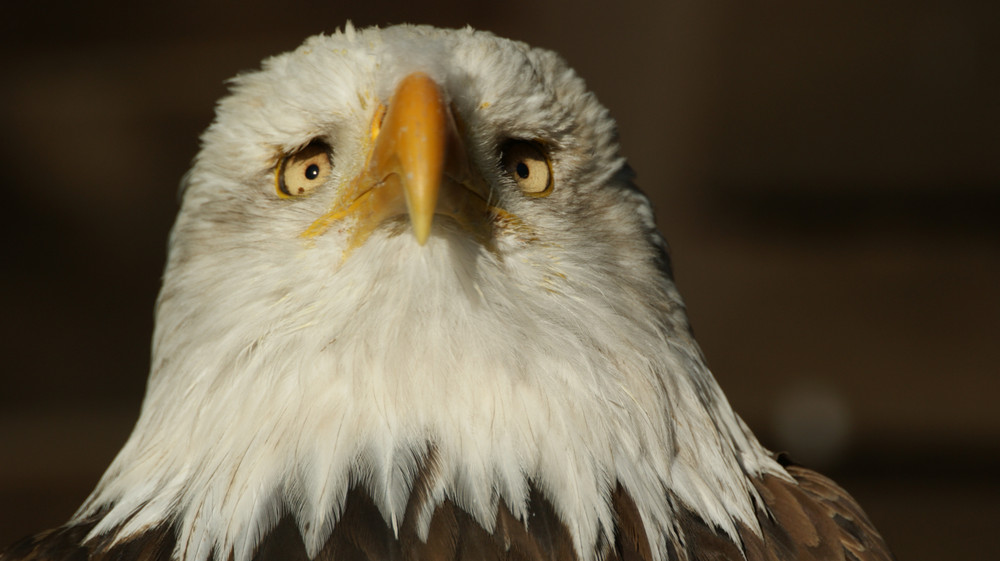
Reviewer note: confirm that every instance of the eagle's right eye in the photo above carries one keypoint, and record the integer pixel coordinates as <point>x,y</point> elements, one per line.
<point>527,164</point>
<point>300,173</point>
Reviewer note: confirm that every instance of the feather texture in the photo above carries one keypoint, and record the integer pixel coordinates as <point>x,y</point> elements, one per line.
<point>810,518</point>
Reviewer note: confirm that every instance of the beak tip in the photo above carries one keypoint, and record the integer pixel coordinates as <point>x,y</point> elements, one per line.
<point>421,230</point>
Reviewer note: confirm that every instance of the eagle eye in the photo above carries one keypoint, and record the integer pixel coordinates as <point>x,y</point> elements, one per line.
<point>299,173</point>
<point>528,165</point>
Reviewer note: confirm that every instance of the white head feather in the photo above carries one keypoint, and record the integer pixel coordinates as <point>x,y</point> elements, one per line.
<point>283,374</point>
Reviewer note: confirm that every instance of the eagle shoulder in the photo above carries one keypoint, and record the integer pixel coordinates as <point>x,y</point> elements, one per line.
<point>69,543</point>
<point>811,518</point>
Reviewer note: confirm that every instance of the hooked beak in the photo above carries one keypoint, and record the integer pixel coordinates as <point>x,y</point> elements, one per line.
<point>417,167</point>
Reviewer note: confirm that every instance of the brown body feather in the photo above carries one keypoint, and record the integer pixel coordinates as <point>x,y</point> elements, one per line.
<point>813,519</point>
<point>809,519</point>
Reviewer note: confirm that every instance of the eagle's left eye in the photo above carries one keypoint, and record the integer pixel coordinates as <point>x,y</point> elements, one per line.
<point>528,165</point>
<point>303,171</point>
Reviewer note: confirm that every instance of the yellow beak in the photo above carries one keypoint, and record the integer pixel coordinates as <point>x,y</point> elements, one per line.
<point>417,151</point>
<point>411,145</point>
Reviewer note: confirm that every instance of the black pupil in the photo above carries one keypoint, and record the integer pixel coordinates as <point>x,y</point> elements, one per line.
<point>522,170</point>
<point>312,172</point>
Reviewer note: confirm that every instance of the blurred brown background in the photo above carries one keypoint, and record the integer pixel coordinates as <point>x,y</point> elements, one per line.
<point>828,177</point>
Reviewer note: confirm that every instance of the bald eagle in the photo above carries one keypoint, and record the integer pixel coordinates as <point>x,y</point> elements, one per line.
<point>415,309</point>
